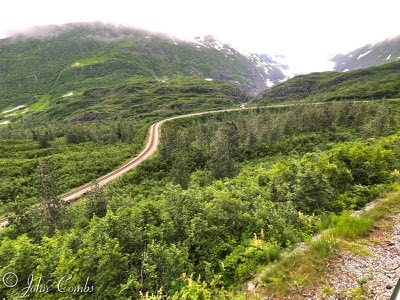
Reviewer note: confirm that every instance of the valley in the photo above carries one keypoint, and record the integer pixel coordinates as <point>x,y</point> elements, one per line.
<point>199,169</point>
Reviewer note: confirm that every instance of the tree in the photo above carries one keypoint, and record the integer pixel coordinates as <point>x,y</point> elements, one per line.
<point>96,203</point>
<point>225,151</point>
<point>44,139</point>
<point>48,189</point>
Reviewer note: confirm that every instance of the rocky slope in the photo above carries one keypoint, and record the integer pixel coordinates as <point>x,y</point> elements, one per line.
<point>369,55</point>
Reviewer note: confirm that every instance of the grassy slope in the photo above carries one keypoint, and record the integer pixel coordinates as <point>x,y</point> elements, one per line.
<point>142,97</point>
<point>301,271</point>
<point>76,57</point>
<point>372,83</point>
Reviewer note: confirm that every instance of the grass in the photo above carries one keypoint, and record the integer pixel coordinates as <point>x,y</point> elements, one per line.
<point>298,271</point>
<point>359,292</point>
<point>356,248</point>
<point>350,228</point>
<point>41,104</point>
<point>76,164</point>
<point>87,61</point>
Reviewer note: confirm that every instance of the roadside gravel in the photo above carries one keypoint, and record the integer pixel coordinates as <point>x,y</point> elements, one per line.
<point>377,272</point>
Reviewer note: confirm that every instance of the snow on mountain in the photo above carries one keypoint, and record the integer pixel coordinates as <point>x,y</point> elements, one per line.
<point>369,55</point>
<point>270,70</point>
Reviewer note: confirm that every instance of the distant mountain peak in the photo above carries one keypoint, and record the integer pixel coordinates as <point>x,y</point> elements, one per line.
<point>370,55</point>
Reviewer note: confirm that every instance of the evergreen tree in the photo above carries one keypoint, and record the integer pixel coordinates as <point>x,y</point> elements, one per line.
<point>96,203</point>
<point>48,190</point>
<point>225,151</point>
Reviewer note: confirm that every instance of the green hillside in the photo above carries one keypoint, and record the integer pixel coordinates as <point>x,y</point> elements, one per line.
<point>75,57</point>
<point>369,84</point>
<point>225,197</point>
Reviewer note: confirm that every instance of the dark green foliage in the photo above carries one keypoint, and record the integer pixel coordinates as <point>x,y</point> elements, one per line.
<point>48,186</point>
<point>96,203</point>
<point>76,164</point>
<point>304,162</point>
<point>224,151</point>
<point>226,192</point>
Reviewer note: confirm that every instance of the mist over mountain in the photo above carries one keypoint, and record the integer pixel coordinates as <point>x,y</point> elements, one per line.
<point>369,55</point>
<point>57,59</point>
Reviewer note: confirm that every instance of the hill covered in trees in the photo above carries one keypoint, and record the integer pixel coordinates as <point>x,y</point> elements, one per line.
<point>226,194</point>
<point>57,60</point>
<point>369,84</point>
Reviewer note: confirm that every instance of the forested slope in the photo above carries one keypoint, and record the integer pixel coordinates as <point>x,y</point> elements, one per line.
<point>226,194</point>
<point>372,83</point>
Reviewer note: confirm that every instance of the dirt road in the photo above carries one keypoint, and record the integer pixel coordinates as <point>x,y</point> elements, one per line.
<point>153,139</point>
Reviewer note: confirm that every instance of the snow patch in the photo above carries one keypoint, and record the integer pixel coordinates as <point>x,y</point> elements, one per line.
<point>389,56</point>
<point>218,45</point>
<point>208,79</point>
<point>362,55</point>
<point>198,42</point>
<point>13,109</point>
<point>70,94</point>
<point>269,83</point>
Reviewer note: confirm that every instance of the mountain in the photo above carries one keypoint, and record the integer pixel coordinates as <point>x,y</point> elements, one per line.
<point>369,55</point>
<point>56,60</point>
<point>274,71</point>
<point>371,83</point>
<point>270,71</point>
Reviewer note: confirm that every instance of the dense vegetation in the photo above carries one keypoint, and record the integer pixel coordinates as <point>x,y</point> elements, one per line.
<point>226,193</point>
<point>54,61</point>
<point>140,98</point>
<point>93,132</point>
<point>372,83</point>
<point>81,153</point>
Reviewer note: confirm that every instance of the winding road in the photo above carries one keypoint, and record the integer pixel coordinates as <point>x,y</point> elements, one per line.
<point>153,140</point>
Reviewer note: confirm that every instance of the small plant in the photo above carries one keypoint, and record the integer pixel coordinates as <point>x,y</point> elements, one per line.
<point>360,292</point>
<point>329,291</point>
<point>350,228</point>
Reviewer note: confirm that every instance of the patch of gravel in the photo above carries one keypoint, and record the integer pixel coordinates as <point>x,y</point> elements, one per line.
<point>380,271</point>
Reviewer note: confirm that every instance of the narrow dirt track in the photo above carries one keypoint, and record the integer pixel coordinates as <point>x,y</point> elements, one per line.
<point>153,140</point>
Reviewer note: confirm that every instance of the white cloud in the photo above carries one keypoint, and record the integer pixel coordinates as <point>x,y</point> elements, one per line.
<point>307,32</point>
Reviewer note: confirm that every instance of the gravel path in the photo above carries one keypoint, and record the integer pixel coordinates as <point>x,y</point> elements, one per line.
<point>379,271</point>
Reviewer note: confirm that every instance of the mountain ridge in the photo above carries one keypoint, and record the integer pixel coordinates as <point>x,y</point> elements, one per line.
<point>47,60</point>
<point>369,55</point>
<point>371,83</point>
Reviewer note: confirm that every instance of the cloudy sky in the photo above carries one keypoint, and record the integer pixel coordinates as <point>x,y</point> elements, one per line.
<point>306,32</point>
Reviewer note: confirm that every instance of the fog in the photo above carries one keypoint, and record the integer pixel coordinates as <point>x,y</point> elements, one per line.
<point>306,32</point>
